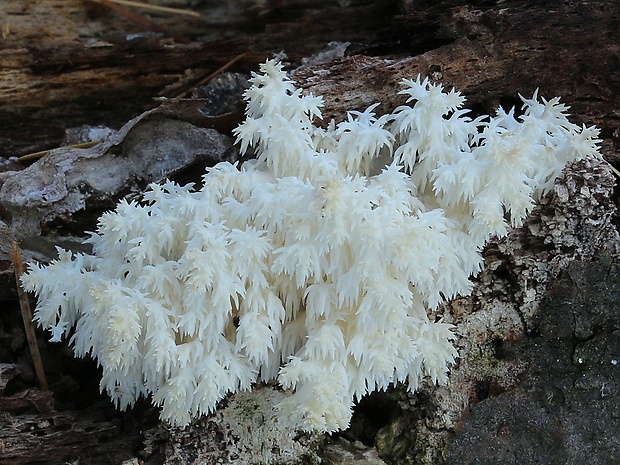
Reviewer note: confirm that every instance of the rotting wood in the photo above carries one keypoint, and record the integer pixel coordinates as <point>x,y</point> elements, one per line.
<point>24,305</point>
<point>87,74</point>
<point>492,53</point>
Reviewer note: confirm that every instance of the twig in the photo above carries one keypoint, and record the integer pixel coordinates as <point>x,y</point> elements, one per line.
<point>219,71</point>
<point>614,169</point>
<point>185,88</point>
<point>42,153</point>
<point>146,6</point>
<point>24,304</point>
<point>141,20</point>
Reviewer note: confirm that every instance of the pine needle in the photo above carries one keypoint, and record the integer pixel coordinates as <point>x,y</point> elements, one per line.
<point>24,304</point>
<point>614,169</point>
<point>164,9</point>
<point>42,153</point>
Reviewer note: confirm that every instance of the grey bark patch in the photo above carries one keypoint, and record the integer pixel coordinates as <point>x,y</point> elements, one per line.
<point>565,410</point>
<point>50,197</point>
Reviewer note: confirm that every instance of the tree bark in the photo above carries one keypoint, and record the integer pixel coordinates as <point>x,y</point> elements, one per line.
<point>492,54</point>
<point>92,71</point>
<point>86,71</point>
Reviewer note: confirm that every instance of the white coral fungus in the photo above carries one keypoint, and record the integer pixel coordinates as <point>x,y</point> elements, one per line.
<point>312,265</point>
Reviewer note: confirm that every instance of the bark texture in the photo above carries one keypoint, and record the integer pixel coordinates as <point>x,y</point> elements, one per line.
<point>66,63</point>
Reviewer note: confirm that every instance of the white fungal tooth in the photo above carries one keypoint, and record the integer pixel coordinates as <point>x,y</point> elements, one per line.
<point>314,265</point>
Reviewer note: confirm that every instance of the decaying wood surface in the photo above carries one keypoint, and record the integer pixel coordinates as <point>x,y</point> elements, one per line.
<point>65,63</point>
<point>34,432</point>
<point>84,67</point>
<point>493,55</point>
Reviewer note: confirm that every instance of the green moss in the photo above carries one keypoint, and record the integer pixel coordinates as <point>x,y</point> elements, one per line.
<point>483,359</point>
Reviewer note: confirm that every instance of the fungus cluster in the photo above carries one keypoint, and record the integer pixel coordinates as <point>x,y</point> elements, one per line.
<point>314,265</point>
